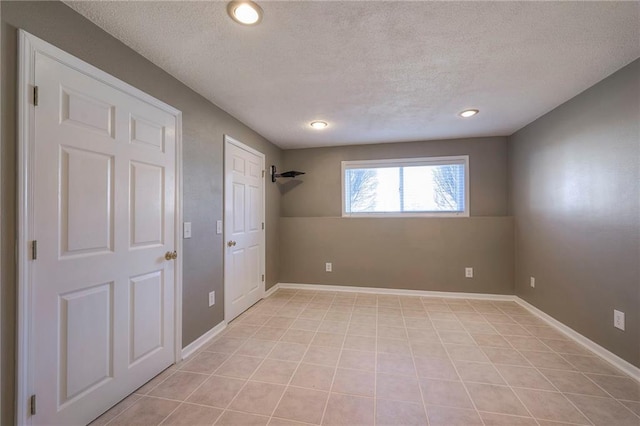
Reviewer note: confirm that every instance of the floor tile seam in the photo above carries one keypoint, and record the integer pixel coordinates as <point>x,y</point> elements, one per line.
<point>542,374</point>
<point>225,410</point>
<point>296,370</point>
<point>175,409</point>
<point>532,389</point>
<point>375,366</point>
<point>512,390</point>
<point>326,404</point>
<point>123,411</point>
<point>248,379</point>
<point>606,391</point>
<point>552,384</point>
<point>138,400</point>
<point>463,385</point>
<point>180,370</point>
<point>595,356</point>
<point>510,415</point>
<point>336,368</point>
<point>415,368</point>
<point>213,373</point>
<point>160,382</point>
<point>619,401</point>
<point>153,397</point>
<point>289,420</point>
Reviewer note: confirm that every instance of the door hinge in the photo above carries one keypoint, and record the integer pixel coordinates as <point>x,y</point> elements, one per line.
<point>263,173</point>
<point>262,225</point>
<point>262,277</point>
<point>34,249</point>
<point>32,405</point>
<point>35,95</point>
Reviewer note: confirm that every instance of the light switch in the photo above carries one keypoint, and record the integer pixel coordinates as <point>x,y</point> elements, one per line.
<point>218,227</point>
<point>186,231</point>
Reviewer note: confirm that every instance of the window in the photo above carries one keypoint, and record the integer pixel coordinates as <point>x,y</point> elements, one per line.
<point>437,186</point>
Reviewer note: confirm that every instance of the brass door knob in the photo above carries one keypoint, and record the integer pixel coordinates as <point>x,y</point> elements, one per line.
<point>231,243</point>
<point>171,255</point>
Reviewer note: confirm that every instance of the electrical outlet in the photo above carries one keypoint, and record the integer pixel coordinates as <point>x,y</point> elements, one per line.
<point>186,231</point>
<point>468,272</point>
<point>618,319</point>
<point>328,267</point>
<point>532,282</point>
<point>218,227</point>
<point>212,298</point>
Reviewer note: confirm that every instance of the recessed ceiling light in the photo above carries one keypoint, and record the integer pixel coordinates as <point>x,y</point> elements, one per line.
<point>468,113</point>
<point>318,124</point>
<point>245,12</point>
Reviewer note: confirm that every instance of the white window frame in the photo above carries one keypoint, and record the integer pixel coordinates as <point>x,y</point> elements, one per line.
<point>407,162</point>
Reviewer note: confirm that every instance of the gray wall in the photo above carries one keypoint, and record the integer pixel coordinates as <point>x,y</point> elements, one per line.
<point>320,191</point>
<point>407,253</point>
<point>574,177</point>
<point>203,127</point>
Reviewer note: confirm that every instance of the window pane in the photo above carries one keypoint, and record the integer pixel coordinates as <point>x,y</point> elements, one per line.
<point>411,189</point>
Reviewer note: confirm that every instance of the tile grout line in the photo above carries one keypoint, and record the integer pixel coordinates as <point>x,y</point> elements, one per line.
<point>498,371</point>
<point>540,372</point>
<point>607,392</point>
<point>375,368</point>
<point>267,357</point>
<point>508,313</point>
<point>459,376</point>
<point>344,339</point>
<point>505,381</point>
<point>301,359</point>
<point>188,396</point>
<point>141,396</point>
<point>413,358</point>
<point>220,366</point>
<point>227,359</point>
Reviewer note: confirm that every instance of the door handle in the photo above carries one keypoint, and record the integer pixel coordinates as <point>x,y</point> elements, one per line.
<point>231,243</point>
<point>171,255</point>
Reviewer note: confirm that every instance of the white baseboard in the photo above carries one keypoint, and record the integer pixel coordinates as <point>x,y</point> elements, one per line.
<point>393,291</point>
<point>589,344</point>
<point>271,290</point>
<point>203,340</point>
<point>605,354</point>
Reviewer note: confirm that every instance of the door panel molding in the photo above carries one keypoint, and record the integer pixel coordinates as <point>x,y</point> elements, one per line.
<point>29,47</point>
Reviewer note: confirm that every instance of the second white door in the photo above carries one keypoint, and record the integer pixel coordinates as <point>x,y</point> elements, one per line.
<point>244,263</point>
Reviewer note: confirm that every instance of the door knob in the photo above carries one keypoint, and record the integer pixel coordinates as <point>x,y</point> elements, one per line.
<point>231,243</point>
<point>171,255</point>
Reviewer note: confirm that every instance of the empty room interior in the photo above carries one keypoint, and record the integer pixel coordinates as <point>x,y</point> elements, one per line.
<point>320,213</point>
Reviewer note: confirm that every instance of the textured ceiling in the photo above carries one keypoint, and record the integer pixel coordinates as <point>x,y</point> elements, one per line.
<point>381,71</point>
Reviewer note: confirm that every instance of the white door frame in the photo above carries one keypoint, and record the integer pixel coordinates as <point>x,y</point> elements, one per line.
<point>28,45</point>
<point>228,140</point>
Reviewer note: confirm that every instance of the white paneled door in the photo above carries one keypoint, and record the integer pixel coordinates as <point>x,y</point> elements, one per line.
<point>244,229</point>
<point>103,208</point>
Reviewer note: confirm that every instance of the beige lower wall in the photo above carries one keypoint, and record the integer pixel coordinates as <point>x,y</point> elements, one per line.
<point>411,253</point>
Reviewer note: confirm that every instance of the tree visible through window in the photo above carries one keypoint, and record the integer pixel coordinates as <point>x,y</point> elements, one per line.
<point>362,188</point>
<point>448,184</point>
<point>414,186</point>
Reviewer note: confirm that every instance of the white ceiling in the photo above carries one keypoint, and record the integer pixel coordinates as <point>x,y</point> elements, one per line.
<point>381,71</point>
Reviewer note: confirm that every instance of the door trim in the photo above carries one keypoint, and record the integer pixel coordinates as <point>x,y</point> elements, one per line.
<point>28,45</point>
<point>228,140</point>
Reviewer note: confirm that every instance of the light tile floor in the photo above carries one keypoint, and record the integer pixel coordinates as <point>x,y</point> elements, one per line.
<point>307,357</point>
